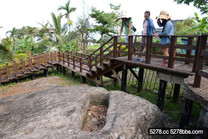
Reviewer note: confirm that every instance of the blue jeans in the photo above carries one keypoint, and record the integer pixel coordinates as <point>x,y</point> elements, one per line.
<point>127,38</point>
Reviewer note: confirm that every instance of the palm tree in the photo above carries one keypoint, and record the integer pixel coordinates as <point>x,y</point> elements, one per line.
<point>13,33</point>
<point>59,31</point>
<point>45,31</point>
<point>67,10</point>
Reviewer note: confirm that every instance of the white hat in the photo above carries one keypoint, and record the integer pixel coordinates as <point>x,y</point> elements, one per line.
<point>123,15</point>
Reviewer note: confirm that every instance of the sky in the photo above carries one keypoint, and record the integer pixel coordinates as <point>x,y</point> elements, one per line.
<point>18,13</point>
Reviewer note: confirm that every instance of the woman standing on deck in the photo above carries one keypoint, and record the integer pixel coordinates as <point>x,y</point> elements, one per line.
<point>168,29</point>
<point>127,24</point>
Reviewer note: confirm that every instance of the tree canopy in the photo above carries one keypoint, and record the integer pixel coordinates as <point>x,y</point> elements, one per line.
<point>200,4</point>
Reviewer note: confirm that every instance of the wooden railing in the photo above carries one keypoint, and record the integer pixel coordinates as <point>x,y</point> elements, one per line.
<point>113,49</point>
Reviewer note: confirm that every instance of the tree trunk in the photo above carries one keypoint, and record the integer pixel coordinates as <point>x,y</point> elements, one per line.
<point>101,40</point>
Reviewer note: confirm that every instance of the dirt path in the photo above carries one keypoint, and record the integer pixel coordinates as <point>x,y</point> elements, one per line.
<point>31,86</point>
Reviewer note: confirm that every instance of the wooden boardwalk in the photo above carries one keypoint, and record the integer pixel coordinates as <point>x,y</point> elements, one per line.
<point>113,57</point>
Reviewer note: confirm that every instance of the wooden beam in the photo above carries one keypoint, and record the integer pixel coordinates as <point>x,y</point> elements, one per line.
<point>199,60</point>
<point>124,78</point>
<point>172,52</point>
<point>140,79</point>
<point>135,75</point>
<point>188,52</point>
<point>161,94</point>
<point>176,93</point>
<point>148,50</point>
<point>130,47</point>
<point>116,76</point>
<point>203,73</point>
<point>186,113</point>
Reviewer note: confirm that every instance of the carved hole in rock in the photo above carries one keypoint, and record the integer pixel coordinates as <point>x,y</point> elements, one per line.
<point>95,117</point>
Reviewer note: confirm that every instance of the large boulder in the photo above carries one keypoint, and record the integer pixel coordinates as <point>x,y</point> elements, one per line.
<point>58,112</point>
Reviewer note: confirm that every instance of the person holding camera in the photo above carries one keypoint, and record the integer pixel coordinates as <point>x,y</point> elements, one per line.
<point>164,21</point>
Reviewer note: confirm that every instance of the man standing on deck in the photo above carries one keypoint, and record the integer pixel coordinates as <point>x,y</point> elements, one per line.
<point>148,29</point>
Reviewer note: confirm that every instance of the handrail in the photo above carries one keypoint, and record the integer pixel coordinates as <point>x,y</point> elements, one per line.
<point>100,47</point>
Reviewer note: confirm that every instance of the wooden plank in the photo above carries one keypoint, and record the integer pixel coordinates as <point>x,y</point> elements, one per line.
<point>171,78</point>
<point>130,46</point>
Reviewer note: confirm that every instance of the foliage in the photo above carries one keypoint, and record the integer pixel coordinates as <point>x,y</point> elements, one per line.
<point>106,21</point>
<point>68,10</point>
<point>200,25</point>
<point>192,26</point>
<point>6,51</point>
<point>184,27</point>
<point>82,29</point>
<point>200,4</point>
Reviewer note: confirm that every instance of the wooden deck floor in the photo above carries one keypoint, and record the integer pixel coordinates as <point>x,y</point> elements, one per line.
<point>180,68</point>
<point>198,94</point>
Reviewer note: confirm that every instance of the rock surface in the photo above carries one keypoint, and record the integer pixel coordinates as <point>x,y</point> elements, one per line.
<point>58,112</point>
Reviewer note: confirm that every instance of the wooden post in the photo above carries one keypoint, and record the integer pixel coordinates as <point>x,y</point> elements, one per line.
<point>140,81</point>
<point>51,56</point>
<point>119,50</point>
<point>188,52</point>
<point>148,50</point>
<point>31,64</point>
<point>203,122</point>
<point>90,63</point>
<point>161,94</point>
<point>101,56</point>
<point>38,58</point>
<point>63,58</point>
<point>15,70</point>
<point>115,42</point>
<point>67,55</point>
<point>0,77</point>
<point>80,64</point>
<point>7,71</point>
<point>124,78</point>
<point>130,45</point>
<point>84,80</point>
<point>46,72</point>
<point>45,63</point>
<point>176,93</point>
<point>172,52</point>
<point>59,58</point>
<point>199,60</point>
<point>186,113</point>
<point>55,58</point>
<point>196,54</point>
<point>32,76</point>
<point>73,74</point>
<point>73,57</point>
<point>23,65</point>
<point>76,60</point>
<point>64,70</point>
